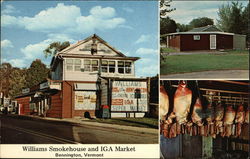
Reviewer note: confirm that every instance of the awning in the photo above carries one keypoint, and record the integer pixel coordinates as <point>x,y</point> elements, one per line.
<point>86,86</point>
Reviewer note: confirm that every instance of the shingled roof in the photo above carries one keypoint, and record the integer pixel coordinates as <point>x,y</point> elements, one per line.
<point>207,28</point>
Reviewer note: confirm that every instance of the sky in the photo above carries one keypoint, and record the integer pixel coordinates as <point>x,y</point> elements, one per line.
<point>188,10</point>
<point>28,27</point>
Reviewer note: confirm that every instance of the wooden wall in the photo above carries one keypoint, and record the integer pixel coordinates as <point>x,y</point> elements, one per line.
<point>55,110</point>
<point>25,101</point>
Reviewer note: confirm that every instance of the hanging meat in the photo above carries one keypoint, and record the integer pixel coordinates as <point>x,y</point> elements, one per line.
<point>197,116</point>
<point>210,120</point>
<point>239,119</point>
<point>219,113</point>
<point>164,103</point>
<point>228,120</point>
<point>247,116</point>
<point>182,103</point>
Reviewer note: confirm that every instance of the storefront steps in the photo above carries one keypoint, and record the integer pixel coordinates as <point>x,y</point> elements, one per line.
<point>83,121</point>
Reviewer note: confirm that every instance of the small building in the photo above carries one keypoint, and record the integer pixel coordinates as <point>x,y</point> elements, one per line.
<point>85,77</point>
<point>205,38</point>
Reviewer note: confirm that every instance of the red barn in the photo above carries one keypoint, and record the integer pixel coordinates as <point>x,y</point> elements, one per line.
<point>204,38</point>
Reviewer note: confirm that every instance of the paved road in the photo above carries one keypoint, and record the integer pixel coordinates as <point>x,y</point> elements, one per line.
<point>23,131</point>
<point>221,74</point>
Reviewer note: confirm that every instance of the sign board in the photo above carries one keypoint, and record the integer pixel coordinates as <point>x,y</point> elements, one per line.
<point>123,96</point>
<point>85,100</point>
<point>6,102</point>
<point>25,90</point>
<point>44,85</point>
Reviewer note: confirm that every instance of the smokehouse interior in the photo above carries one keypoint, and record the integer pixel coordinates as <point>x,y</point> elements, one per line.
<point>204,119</point>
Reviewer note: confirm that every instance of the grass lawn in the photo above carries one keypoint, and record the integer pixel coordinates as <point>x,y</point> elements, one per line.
<point>205,62</point>
<point>167,50</point>
<point>138,122</point>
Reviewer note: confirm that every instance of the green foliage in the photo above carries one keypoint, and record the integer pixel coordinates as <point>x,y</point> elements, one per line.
<point>165,8</point>
<point>17,82</point>
<point>201,22</point>
<point>36,73</point>
<point>55,47</point>
<point>5,71</point>
<point>183,27</point>
<point>167,25</point>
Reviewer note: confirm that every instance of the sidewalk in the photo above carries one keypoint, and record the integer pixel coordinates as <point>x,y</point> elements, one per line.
<point>83,121</point>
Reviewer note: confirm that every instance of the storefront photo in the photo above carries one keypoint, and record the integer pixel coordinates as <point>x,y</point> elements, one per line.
<point>204,119</point>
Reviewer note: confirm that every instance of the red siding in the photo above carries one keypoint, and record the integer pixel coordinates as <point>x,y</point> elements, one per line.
<point>55,110</point>
<point>174,42</point>
<point>67,99</point>
<point>224,41</point>
<point>25,101</point>
<point>188,43</point>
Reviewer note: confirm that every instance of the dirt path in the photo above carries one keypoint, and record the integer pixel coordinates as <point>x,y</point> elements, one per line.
<point>221,74</point>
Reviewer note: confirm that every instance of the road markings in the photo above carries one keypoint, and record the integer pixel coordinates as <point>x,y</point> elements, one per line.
<point>61,140</point>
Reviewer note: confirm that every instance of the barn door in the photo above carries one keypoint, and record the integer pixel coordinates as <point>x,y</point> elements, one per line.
<point>212,42</point>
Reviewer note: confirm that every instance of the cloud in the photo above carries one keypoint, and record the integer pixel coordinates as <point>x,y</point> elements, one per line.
<point>127,9</point>
<point>17,62</point>
<point>67,18</point>
<point>143,38</point>
<point>146,51</point>
<point>6,44</point>
<point>8,9</point>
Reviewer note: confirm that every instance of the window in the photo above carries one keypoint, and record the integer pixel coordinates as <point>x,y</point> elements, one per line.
<point>108,66</point>
<point>128,67</point>
<point>104,66</point>
<point>121,66</point>
<point>77,64</point>
<point>111,66</point>
<point>69,64</point>
<point>87,65</point>
<point>90,65</point>
<point>94,65</point>
<point>196,37</point>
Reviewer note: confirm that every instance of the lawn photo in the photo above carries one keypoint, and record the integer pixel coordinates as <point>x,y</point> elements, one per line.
<point>208,41</point>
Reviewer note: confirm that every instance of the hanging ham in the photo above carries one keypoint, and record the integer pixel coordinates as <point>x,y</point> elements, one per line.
<point>239,119</point>
<point>228,120</point>
<point>164,103</point>
<point>219,113</point>
<point>247,117</point>
<point>182,103</point>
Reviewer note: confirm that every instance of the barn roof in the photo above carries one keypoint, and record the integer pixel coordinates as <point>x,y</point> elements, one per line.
<point>207,28</point>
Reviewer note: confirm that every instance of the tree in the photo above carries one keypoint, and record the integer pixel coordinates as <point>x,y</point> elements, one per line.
<point>183,27</point>
<point>36,73</point>
<point>17,82</point>
<point>245,23</point>
<point>232,17</point>
<point>165,8</point>
<point>201,22</point>
<point>167,25</point>
<point>224,17</point>
<point>55,47</point>
<point>5,72</point>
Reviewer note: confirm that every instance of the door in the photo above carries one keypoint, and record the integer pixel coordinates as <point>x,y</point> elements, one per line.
<point>212,42</point>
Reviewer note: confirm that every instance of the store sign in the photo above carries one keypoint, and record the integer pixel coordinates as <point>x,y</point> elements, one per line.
<point>44,85</point>
<point>125,95</point>
<point>25,90</point>
<point>85,100</point>
<point>6,102</point>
